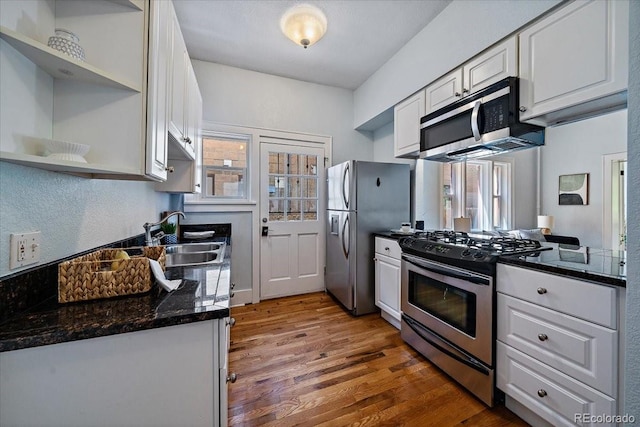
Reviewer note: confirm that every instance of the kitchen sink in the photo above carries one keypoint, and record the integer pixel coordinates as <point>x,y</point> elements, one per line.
<point>194,254</point>
<point>192,247</point>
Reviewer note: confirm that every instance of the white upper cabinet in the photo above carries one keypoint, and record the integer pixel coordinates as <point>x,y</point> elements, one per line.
<point>159,84</point>
<point>406,128</point>
<point>495,64</point>
<point>181,129</point>
<point>184,120</point>
<point>444,91</point>
<point>574,62</point>
<point>100,102</point>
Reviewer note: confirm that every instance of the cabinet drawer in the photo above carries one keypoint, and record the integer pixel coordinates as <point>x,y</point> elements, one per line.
<point>388,247</point>
<point>588,301</point>
<point>583,350</point>
<point>552,395</point>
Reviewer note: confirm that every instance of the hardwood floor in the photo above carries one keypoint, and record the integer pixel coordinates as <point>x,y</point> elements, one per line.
<point>303,361</point>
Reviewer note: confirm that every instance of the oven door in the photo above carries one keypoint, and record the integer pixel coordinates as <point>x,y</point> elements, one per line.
<point>455,304</point>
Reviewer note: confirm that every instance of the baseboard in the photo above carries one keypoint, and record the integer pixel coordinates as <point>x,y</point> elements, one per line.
<point>241,297</point>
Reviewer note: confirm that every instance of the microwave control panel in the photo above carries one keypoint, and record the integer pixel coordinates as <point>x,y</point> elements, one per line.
<point>495,114</point>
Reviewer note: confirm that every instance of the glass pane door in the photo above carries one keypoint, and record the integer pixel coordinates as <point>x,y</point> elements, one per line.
<point>293,187</point>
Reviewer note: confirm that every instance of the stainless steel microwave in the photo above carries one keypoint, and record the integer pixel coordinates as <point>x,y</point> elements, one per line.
<point>485,123</point>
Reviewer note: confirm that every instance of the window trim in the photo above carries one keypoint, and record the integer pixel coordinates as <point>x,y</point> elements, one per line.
<point>458,192</point>
<point>239,137</point>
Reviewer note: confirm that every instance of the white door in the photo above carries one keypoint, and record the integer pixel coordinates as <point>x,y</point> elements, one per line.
<point>292,209</point>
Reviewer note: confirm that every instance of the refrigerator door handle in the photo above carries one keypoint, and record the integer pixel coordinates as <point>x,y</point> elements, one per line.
<point>345,232</point>
<point>345,182</point>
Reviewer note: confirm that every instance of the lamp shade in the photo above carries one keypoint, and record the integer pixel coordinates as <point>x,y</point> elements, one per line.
<point>462,224</point>
<point>545,222</point>
<point>304,24</point>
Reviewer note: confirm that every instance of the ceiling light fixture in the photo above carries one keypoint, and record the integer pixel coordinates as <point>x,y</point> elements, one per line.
<point>304,24</point>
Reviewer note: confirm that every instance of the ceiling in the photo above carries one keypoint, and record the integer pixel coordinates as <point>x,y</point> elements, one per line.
<point>361,36</point>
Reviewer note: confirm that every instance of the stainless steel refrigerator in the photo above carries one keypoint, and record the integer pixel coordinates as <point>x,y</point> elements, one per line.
<point>363,197</point>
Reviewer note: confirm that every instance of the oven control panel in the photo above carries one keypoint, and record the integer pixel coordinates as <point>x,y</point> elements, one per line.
<point>423,247</point>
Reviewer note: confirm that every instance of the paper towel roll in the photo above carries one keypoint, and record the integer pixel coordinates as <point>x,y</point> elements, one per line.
<point>462,224</point>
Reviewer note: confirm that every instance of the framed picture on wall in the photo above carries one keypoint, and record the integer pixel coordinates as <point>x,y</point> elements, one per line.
<point>573,189</point>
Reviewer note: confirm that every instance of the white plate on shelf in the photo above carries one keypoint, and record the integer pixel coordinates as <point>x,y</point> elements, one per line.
<point>410,231</point>
<point>62,150</point>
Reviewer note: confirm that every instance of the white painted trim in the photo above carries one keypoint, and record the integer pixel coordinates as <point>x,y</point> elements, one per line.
<point>607,213</point>
<point>195,203</point>
<point>242,297</point>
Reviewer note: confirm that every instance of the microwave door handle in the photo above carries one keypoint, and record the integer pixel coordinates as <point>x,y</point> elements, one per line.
<point>474,120</point>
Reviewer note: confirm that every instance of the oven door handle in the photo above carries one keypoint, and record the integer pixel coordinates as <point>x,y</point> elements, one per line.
<point>445,271</point>
<point>445,347</point>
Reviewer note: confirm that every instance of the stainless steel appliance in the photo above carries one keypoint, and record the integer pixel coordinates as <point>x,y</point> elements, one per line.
<point>482,124</point>
<point>363,197</point>
<point>448,300</point>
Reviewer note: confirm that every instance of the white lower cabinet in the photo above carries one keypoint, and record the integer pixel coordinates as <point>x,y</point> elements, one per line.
<point>556,397</point>
<point>557,352</point>
<point>387,279</point>
<point>170,376</point>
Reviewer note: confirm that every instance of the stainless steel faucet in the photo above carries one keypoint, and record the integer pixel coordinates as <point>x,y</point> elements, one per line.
<point>153,241</point>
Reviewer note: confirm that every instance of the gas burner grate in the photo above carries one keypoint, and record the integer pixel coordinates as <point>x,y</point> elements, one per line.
<point>446,236</point>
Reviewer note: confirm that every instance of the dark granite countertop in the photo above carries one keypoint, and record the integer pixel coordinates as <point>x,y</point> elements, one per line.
<point>391,235</point>
<point>203,295</point>
<point>580,262</point>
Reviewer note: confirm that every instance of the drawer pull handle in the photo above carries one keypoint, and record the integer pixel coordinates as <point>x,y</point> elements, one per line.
<point>542,291</point>
<point>543,337</point>
<point>542,393</point>
<point>386,249</point>
<point>233,377</point>
<point>231,322</point>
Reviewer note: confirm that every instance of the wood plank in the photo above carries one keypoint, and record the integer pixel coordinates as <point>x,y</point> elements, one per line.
<point>304,361</point>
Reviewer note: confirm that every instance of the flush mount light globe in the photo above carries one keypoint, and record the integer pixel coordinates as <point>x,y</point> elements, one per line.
<point>304,24</point>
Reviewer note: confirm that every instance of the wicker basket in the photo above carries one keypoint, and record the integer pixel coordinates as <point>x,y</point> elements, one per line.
<point>91,276</point>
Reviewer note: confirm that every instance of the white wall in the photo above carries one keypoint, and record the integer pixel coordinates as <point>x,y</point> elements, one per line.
<point>578,148</point>
<point>459,32</point>
<point>247,98</point>
<point>632,386</point>
<point>74,214</point>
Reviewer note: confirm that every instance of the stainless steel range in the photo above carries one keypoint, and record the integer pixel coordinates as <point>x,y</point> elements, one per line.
<point>448,301</point>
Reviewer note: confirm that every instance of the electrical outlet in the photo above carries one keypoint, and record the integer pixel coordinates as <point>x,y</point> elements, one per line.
<point>25,249</point>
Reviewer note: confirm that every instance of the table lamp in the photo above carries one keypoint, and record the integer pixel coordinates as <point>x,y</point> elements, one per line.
<point>545,223</point>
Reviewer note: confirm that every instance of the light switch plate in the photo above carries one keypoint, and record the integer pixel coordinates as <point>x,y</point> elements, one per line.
<point>25,249</point>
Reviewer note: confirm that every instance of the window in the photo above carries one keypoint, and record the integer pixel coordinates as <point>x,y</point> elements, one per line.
<point>479,190</point>
<point>293,187</point>
<point>225,161</point>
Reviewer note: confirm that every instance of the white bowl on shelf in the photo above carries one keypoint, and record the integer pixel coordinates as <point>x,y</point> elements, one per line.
<point>62,150</point>
<point>66,42</point>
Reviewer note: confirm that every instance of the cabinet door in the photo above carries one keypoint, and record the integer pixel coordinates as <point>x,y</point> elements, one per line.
<point>177,123</point>
<point>563,66</point>
<point>492,66</point>
<point>387,284</point>
<point>552,395</point>
<point>158,89</point>
<point>443,91</point>
<point>223,358</point>
<point>406,131</point>
<point>193,110</point>
<point>580,349</point>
